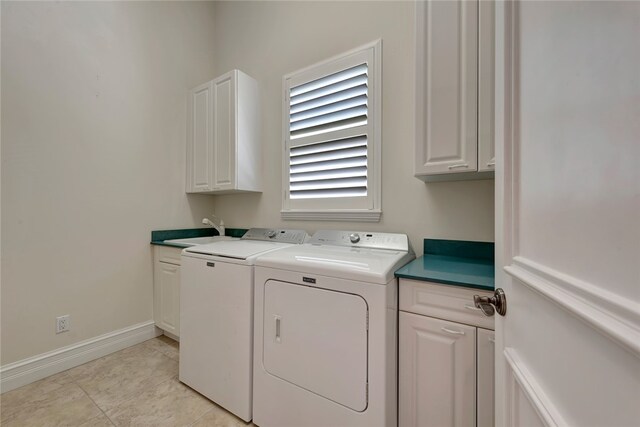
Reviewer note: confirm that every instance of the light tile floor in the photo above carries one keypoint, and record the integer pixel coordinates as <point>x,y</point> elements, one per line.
<point>137,386</point>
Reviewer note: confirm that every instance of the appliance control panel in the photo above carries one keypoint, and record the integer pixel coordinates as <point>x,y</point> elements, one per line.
<point>280,235</point>
<point>361,239</point>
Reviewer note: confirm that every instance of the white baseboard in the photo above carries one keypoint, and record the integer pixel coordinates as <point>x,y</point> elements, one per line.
<point>173,337</point>
<point>26,371</point>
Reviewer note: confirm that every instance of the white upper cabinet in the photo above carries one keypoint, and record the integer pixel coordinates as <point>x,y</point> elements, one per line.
<point>454,90</point>
<point>486,86</point>
<point>223,147</point>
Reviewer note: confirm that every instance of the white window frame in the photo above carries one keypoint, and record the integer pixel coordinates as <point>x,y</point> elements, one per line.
<point>367,209</point>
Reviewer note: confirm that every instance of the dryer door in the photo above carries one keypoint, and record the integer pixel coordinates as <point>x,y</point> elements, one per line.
<point>317,339</point>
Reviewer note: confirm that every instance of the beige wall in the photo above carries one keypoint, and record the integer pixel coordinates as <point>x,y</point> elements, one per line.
<point>93,143</point>
<point>269,39</point>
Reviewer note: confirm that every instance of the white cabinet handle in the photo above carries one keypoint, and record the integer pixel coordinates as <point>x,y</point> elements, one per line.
<point>461,165</point>
<point>452,331</point>
<point>491,164</point>
<point>470,307</point>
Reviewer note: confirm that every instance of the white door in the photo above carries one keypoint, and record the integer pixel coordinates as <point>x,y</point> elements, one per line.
<point>317,339</point>
<point>568,213</point>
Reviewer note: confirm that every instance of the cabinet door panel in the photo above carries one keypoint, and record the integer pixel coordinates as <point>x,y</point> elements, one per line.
<point>485,378</point>
<point>200,137</point>
<point>437,372</point>
<point>224,132</point>
<point>447,79</point>
<point>167,299</point>
<point>486,86</point>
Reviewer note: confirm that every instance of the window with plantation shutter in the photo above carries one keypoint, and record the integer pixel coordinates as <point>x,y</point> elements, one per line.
<point>332,138</point>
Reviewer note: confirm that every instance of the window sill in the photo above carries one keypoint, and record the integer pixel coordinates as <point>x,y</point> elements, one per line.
<point>329,215</point>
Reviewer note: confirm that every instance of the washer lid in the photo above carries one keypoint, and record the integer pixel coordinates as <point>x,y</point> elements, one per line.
<point>237,249</point>
<point>363,264</point>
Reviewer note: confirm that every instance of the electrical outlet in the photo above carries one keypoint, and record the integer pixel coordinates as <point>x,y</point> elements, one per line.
<point>63,323</point>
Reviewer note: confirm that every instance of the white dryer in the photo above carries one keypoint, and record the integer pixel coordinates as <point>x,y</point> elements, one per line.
<point>325,334</point>
<point>216,315</point>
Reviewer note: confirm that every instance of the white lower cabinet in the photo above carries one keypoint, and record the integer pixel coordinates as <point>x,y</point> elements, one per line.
<point>166,289</point>
<point>485,343</point>
<point>445,367</point>
<point>437,372</point>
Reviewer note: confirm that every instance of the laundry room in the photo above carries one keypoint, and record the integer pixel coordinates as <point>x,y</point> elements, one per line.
<point>319,213</point>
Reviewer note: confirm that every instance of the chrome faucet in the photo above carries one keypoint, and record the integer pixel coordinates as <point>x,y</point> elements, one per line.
<point>220,227</point>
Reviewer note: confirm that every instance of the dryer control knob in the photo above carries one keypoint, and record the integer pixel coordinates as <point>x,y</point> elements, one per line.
<point>271,234</point>
<point>354,237</point>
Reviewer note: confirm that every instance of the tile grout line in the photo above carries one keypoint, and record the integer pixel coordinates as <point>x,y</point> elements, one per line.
<point>71,379</point>
<point>200,417</point>
<point>158,351</point>
<point>89,396</point>
<point>102,410</point>
<point>116,406</point>
<point>94,402</point>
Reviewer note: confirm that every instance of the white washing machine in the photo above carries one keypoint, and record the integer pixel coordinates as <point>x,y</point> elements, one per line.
<point>216,315</point>
<point>325,331</point>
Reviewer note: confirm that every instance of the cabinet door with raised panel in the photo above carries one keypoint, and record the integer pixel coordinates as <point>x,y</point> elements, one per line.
<point>167,297</point>
<point>447,84</point>
<point>486,86</point>
<point>224,131</point>
<point>199,139</point>
<point>486,380</point>
<point>437,372</point>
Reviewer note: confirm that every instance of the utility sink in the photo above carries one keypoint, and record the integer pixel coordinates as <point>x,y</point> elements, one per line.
<point>199,240</point>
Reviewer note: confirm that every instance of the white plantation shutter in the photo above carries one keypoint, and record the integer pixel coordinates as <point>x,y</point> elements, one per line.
<point>338,101</point>
<point>329,169</point>
<point>332,139</point>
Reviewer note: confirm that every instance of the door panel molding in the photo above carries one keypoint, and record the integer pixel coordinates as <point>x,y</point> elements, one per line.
<point>614,316</point>
<point>520,380</point>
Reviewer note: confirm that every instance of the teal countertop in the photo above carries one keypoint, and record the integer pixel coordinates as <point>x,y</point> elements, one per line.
<point>158,237</point>
<point>452,262</point>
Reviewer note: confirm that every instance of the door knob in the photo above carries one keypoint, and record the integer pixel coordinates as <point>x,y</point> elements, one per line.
<point>489,305</point>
